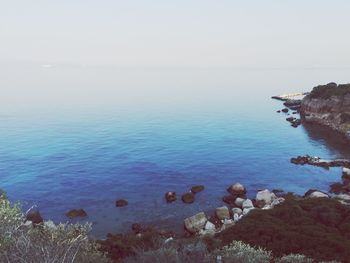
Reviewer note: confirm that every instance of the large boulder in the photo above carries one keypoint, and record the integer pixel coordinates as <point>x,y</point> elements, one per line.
<point>239,201</point>
<point>195,223</point>
<point>170,197</point>
<point>222,213</point>
<point>247,204</point>
<point>188,198</point>
<point>312,193</point>
<point>264,198</point>
<point>237,189</point>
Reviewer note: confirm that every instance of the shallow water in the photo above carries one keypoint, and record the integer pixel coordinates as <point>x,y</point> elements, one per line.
<point>135,134</point>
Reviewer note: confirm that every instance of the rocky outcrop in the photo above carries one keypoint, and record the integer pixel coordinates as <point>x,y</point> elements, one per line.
<point>328,105</point>
<point>195,223</point>
<point>317,161</point>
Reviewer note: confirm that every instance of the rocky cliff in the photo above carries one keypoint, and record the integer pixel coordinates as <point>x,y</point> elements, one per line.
<point>328,105</point>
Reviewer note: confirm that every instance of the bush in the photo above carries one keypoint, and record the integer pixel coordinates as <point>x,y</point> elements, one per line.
<point>239,252</point>
<point>318,228</point>
<point>43,243</point>
<point>329,90</point>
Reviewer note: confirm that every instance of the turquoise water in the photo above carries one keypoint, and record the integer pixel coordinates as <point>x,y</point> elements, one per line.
<point>138,147</point>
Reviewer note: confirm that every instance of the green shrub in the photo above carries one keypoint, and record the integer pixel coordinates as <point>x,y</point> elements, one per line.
<point>48,242</point>
<point>239,252</point>
<point>317,228</point>
<point>329,90</point>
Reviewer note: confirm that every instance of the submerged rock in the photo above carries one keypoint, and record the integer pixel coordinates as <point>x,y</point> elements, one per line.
<point>121,203</point>
<point>170,197</point>
<point>76,213</point>
<point>196,189</point>
<point>188,198</point>
<point>195,223</point>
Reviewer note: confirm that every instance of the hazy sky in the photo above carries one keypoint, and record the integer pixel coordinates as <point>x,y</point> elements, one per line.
<point>260,33</point>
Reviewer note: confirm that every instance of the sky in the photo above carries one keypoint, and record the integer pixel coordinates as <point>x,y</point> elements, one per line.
<point>66,55</point>
<point>158,33</point>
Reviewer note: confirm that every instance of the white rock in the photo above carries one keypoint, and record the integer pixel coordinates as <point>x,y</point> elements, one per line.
<point>168,240</point>
<point>344,197</point>
<point>318,194</point>
<point>195,223</point>
<point>239,201</point>
<point>346,171</point>
<point>237,210</point>
<point>209,226</point>
<point>237,189</point>
<point>236,217</point>
<point>277,201</point>
<point>247,204</point>
<point>222,213</point>
<point>264,198</point>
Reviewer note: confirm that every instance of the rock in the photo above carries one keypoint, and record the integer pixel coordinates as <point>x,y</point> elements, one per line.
<point>121,203</point>
<point>329,106</point>
<point>346,176</point>
<point>196,189</point>
<point>229,199</point>
<point>247,210</point>
<point>336,188</point>
<point>278,111</point>
<point>239,201</point>
<point>247,204</point>
<point>312,193</point>
<point>277,201</point>
<point>170,197</point>
<point>209,226</point>
<point>237,210</point>
<point>264,198</point>
<point>136,228</point>
<point>76,213</point>
<point>290,119</point>
<point>237,189</point>
<point>34,216</point>
<point>195,223</point>
<point>316,161</point>
<point>285,110</point>
<point>344,197</point>
<point>188,198</point>
<point>222,213</point>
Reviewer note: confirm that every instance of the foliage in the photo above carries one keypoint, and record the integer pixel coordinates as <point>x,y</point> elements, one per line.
<point>329,90</point>
<point>43,243</point>
<point>318,228</point>
<point>239,252</point>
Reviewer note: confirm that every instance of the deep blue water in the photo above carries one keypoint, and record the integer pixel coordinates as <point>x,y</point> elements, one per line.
<point>90,159</point>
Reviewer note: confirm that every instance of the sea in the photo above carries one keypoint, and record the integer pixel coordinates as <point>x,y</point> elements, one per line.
<point>74,136</point>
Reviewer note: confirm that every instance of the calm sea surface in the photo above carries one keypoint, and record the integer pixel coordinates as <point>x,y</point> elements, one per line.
<point>74,137</point>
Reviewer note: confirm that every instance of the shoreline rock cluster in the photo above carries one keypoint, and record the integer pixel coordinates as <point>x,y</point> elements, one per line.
<point>226,216</point>
<point>317,161</point>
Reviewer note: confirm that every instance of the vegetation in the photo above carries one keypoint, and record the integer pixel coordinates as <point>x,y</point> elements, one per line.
<point>318,228</point>
<point>329,90</point>
<point>47,242</point>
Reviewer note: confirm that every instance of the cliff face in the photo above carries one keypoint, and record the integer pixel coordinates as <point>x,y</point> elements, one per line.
<point>328,105</point>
